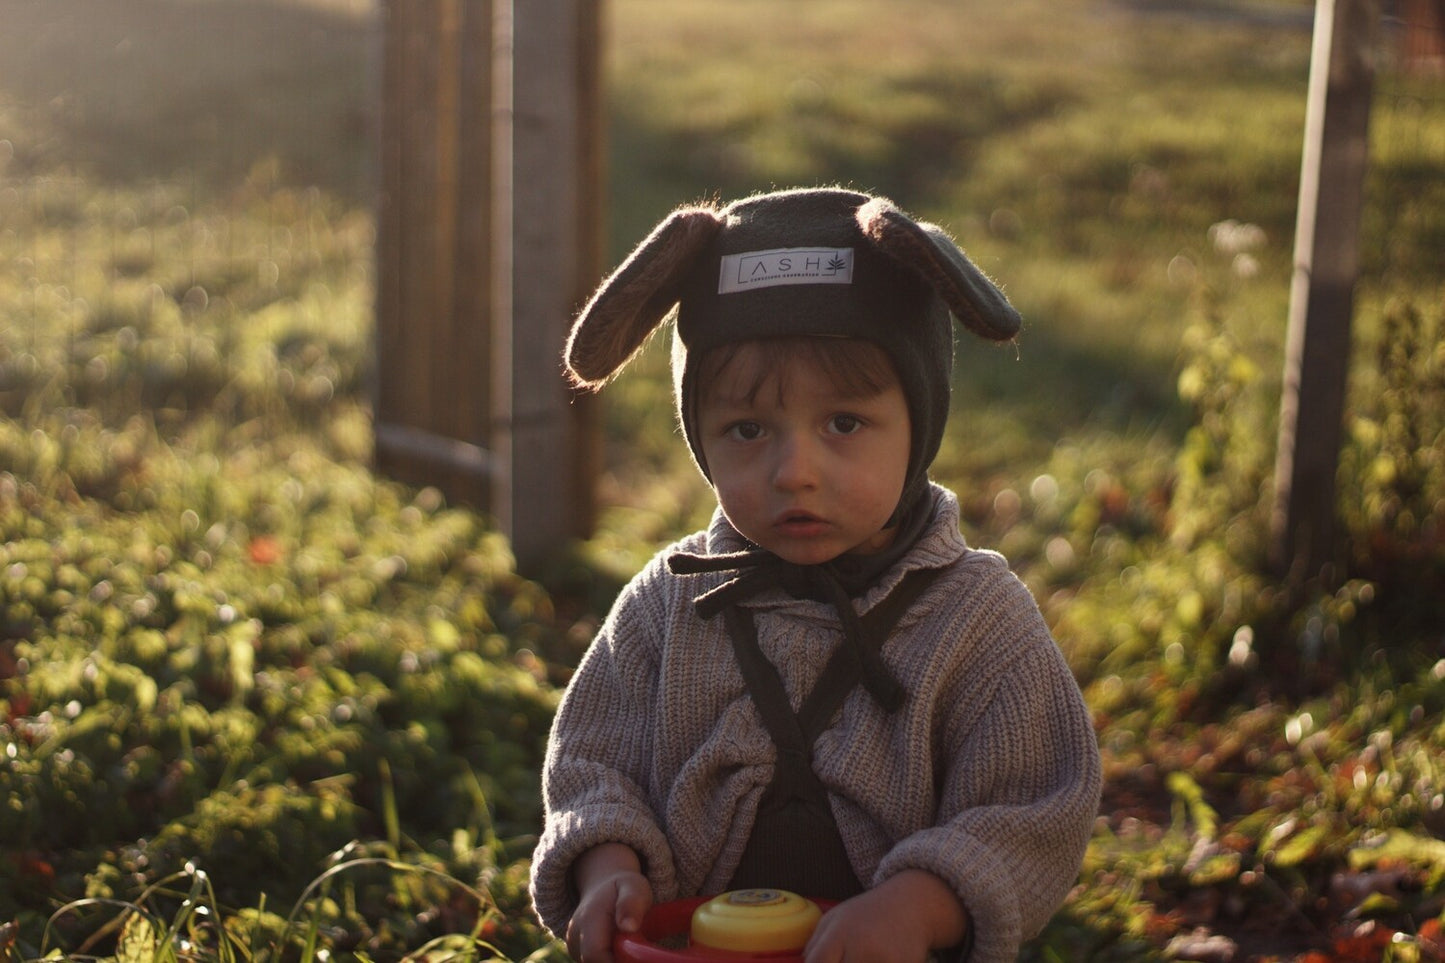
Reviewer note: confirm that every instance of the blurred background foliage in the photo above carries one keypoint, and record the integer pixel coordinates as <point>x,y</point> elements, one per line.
<point>241,672</point>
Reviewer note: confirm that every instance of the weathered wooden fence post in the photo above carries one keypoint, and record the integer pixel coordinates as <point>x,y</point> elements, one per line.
<point>554,257</point>
<point>488,236</point>
<point>1322,294</point>
<point>433,248</point>
<point>1422,46</point>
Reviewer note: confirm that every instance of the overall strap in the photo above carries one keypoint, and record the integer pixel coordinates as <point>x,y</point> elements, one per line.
<point>795,842</point>
<point>763,682</point>
<point>844,670</point>
<point>795,733</point>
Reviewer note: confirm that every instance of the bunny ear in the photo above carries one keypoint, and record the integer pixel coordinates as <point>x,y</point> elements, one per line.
<point>974,300</point>
<point>631,303</point>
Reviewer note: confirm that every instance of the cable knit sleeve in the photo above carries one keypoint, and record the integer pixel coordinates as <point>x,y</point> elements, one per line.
<point>595,778</point>
<point>1019,788</point>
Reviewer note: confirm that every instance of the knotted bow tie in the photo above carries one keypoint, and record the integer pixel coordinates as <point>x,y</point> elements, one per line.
<point>759,570</point>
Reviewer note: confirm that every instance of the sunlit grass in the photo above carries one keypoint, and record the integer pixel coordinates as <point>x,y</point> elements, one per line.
<point>234,617</point>
<point>1068,148</point>
<point>179,918</point>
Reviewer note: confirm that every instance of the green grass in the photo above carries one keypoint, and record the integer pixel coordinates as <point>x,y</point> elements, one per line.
<point>322,696</point>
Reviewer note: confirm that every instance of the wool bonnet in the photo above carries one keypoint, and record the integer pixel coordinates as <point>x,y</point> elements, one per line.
<point>820,262</point>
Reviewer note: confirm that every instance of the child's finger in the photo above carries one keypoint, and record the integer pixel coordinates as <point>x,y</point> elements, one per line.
<point>634,899</point>
<point>589,939</point>
<point>597,947</point>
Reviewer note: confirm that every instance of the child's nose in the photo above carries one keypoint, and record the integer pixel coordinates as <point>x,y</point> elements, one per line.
<point>796,466</point>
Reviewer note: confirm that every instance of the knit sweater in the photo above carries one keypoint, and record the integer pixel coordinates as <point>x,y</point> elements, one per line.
<point>988,776</point>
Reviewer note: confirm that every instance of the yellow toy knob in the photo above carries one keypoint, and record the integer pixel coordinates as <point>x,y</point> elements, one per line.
<point>755,921</point>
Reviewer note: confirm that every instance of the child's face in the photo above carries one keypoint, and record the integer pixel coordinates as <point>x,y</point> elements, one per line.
<point>808,472</point>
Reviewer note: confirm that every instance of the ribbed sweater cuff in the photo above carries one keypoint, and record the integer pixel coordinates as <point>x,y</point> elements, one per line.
<point>982,883</point>
<point>570,834</point>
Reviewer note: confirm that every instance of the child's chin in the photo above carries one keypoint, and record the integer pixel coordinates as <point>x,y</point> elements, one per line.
<point>805,554</point>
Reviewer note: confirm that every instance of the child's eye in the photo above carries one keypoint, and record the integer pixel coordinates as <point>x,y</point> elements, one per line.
<point>744,430</point>
<point>844,424</point>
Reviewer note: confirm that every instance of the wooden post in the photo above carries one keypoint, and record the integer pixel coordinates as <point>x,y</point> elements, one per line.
<point>1422,45</point>
<point>488,238</point>
<point>434,238</point>
<point>1322,294</point>
<point>548,438</point>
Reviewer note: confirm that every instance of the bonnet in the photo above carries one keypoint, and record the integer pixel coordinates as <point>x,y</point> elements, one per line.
<point>801,263</point>
<point>812,262</point>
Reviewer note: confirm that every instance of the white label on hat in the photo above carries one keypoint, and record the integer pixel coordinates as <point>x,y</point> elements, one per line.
<point>785,265</point>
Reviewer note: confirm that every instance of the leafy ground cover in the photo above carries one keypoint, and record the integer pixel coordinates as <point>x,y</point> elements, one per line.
<point>258,703</point>
<point>225,642</point>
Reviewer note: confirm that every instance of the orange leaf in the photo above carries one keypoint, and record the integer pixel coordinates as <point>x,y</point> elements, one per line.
<point>1365,943</point>
<point>1432,939</point>
<point>265,550</point>
<point>32,864</point>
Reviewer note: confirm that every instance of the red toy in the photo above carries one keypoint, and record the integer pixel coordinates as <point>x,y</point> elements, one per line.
<point>749,924</point>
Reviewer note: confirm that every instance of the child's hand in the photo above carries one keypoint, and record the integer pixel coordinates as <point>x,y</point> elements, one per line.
<point>615,896</point>
<point>899,921</point>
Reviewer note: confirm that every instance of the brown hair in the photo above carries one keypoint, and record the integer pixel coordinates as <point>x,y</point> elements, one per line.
<point>856,368</point>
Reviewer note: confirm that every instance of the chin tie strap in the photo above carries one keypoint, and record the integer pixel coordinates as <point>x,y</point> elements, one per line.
<point>759,570</point>
<point>834,583</point>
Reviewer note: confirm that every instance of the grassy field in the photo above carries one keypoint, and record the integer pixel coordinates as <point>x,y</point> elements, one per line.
<point>257,703</point>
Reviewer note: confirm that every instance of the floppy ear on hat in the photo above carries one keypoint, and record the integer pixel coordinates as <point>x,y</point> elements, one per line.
<point>631,303</point>
<point>974,300</point>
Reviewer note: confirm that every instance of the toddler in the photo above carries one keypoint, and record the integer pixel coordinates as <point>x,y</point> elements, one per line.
<point>827,691</point>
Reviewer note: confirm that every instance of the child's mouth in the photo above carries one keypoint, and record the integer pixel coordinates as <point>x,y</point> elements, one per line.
<point>799,523</point>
